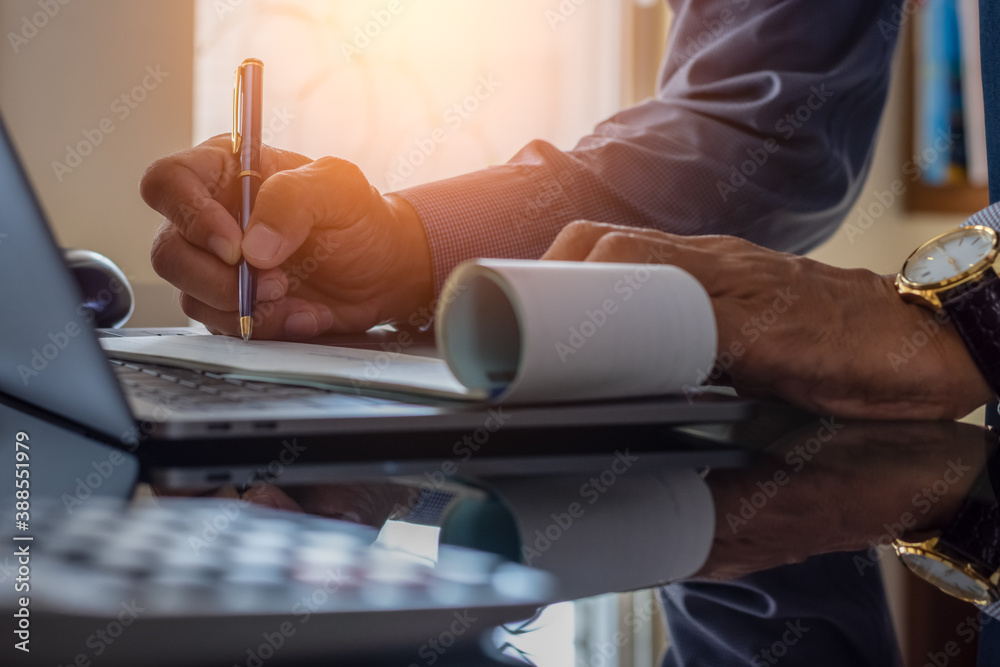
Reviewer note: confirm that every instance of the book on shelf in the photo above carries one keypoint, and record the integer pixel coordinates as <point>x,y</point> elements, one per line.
<point>972,92</point>
<point>949,136</point>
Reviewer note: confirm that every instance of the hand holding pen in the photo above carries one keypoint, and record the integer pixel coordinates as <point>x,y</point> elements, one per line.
<point>247,106</point>
<point>321,239</point>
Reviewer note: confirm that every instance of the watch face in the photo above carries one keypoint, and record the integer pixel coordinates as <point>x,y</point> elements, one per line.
<point>948,578</point>
<point>949,256</point>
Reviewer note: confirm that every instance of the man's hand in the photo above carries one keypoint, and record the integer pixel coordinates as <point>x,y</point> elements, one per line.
<point>834,341</point>
<point>332,253</point>
<point>370,504</point>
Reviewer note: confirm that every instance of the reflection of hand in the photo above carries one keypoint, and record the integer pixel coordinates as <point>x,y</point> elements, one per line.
<point>815,335</point>
<point>370,504</point>
<point>827,489</point>
<point>332,253</point>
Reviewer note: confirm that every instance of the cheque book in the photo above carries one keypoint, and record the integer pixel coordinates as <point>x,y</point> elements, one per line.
<point>515,331</point>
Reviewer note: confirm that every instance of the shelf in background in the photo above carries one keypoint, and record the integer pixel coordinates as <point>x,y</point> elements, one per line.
<point>958,199</point>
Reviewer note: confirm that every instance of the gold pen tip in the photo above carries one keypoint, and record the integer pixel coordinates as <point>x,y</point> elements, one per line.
<point>246,327</point>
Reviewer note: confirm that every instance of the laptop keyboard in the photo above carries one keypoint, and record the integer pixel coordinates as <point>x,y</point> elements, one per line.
<point>219,556</point>
<point>204,391</point>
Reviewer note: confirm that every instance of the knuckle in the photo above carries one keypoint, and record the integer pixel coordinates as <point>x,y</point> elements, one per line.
<point>617,241</point>
<point>342,169</point>
<point>347,175</point>
<point>578,227</point>
<point>285,185</point>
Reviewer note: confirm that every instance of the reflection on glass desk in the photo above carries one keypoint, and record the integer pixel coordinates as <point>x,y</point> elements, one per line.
<point>230,581</point>
<point>125,583</point>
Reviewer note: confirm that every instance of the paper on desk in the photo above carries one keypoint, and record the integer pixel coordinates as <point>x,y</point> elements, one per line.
<point>516,331</point>
<point>297,362</point>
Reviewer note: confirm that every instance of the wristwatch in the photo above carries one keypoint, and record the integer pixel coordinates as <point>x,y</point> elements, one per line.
<point>963,560</point>
<point>955,273</point>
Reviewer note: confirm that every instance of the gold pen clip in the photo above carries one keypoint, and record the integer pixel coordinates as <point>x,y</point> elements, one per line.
<point>237,103</point>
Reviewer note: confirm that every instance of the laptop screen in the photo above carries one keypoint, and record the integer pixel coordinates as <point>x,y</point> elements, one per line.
<point>49,355</point>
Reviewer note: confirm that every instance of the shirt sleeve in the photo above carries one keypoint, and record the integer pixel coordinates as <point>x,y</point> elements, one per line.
<point>762,127</point>
<point>988,217</point>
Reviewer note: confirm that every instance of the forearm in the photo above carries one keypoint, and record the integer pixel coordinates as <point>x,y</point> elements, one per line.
<point>841,486</point>
<point>764,132</point>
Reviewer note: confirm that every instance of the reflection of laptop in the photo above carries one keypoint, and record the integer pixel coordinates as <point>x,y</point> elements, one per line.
<point>219,582</point>
<point>196,429</point>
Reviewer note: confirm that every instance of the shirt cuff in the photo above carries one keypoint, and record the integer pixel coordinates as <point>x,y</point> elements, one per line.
<point>988,217</point>
<point>510,211</point>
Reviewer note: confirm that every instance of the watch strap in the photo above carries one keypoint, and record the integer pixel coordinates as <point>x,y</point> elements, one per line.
<point>974,532</point>
<point>975,311</point>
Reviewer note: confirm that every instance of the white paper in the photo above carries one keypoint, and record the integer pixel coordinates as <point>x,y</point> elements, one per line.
<point>535,331</point>
<point>292,362</point>
<point>509,330</point>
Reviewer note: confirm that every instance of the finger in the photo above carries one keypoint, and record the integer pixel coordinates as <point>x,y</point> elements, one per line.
<point>369,504</point>
<point>273,160</point>
<point>703,257</point>
<point>286,318</point>
<point>204,276</point>
<point>576,240</point>
<point>196,190</point>
<point>628,248</point>
<point>325,193</point>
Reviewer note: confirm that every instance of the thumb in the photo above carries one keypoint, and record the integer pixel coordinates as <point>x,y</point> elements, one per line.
<point>290,204</point>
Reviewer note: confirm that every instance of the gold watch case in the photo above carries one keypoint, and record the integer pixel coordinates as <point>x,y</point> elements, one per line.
<point>969,582</point>
<point>929,294</point>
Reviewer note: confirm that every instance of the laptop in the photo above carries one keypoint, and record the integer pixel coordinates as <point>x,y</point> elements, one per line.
<point>193,429</point>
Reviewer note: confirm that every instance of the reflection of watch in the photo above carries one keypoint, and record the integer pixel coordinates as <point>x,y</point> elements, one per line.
<point>963,560</point>
<point>954,272</point>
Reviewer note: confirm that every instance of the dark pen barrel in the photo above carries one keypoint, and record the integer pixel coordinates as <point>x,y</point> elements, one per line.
<point>248,274</point>
<point>252,121</point>
<point>249,122</point>
<point>248,289</point>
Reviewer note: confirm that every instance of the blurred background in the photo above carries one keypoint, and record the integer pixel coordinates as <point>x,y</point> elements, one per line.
<point>93,92</point>
<point>353,79</point>
<point>368,80</point>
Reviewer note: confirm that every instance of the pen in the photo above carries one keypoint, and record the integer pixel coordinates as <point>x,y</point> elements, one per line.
<point>247,105</point>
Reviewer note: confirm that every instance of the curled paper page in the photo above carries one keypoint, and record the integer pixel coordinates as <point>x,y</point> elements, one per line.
<point>532,331</point>
<point>624,529</point>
